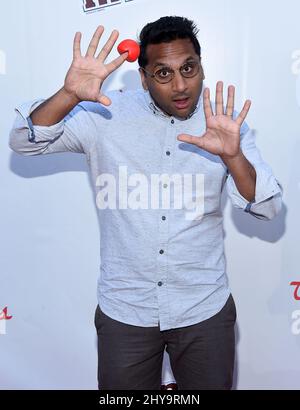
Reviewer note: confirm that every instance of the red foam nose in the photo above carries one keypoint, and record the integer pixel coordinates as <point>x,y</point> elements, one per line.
<point>132,47</point>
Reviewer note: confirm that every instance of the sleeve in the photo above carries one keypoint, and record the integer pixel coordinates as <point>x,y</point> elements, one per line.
<point>268,192</point>
<point>72,134</point>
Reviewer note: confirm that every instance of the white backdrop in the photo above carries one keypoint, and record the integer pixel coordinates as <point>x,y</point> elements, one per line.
<point>49,231</point>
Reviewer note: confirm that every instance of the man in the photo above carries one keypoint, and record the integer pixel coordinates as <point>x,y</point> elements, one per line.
<point>163,281</point>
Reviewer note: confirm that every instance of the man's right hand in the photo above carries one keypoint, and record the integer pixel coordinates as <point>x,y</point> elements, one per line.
<point>83,81</point>
<point>87,74</point>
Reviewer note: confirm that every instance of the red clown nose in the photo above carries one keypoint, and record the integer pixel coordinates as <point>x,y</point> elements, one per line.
<point>131,47</point>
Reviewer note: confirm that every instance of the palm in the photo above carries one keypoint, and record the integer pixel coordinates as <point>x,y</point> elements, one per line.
<point>85,78</point>
<point>87,73</point>
<point>222,136</point>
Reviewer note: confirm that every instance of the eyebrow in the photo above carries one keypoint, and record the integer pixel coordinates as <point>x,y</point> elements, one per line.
<point>167,65</point>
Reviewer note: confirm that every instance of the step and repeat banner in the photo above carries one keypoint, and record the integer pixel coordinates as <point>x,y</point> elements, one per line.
<point>49,233</point>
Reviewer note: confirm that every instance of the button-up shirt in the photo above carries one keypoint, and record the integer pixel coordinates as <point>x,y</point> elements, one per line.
<point>159,204</point>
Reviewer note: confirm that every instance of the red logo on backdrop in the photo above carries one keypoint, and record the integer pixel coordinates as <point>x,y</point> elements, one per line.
<point>297,290</point>
<point>92,5</point>
<point>4,315</point>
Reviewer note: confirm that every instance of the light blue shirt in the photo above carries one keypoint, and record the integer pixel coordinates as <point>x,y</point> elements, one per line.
<point>160,265</point>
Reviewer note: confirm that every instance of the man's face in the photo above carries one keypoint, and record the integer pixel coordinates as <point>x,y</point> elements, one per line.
<point>166,96</point>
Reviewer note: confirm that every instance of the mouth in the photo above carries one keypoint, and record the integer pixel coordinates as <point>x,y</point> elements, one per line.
<point>182,104</point>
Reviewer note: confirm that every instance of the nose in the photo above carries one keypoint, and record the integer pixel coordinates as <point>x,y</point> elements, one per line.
<point>179,82</point>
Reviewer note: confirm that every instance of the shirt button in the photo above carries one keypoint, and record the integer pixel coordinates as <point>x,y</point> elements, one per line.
<point>166,185</point>
<point>161,251</point>
<point>173,122</point>
<point>168,153</point>
<point>160,283</point>
<point>163,218</point>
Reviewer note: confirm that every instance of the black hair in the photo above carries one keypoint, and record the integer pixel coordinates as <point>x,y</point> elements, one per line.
<point>165,30</point>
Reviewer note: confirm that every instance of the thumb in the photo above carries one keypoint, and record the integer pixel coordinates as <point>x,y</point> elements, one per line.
<point>190,139</point>
<point>103,99</point>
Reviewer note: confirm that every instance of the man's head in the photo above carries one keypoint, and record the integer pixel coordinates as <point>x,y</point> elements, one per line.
<point>171,51</point>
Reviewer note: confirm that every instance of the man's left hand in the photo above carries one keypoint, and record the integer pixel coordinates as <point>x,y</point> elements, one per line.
<point>222,136</point>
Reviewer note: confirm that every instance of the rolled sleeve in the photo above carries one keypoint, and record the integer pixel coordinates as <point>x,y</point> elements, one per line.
<point>71,134</point>
<point>268,191</point>
<point>37,133</point>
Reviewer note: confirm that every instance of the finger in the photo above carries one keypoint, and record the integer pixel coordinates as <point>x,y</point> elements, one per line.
<point>230,101</point>
<point>243,114</point>
<point>207,104</point>
<point>77,45</point>
<point>219,99</point>
<point>117,62</point>
<point>94,42</point>
<point>103,99</point>
<point>190,139</point>
<point>108,46</point>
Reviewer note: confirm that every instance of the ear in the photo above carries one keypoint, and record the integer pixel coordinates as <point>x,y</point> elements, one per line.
<point>201,68</point>
<point>143,79</point>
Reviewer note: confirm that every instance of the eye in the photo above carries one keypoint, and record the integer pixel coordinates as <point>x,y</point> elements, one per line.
<point>188,68</point>
<point>163,73</point>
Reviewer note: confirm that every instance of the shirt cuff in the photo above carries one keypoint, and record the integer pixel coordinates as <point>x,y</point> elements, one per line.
<point>266,188</point>
<point>38,133</point>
